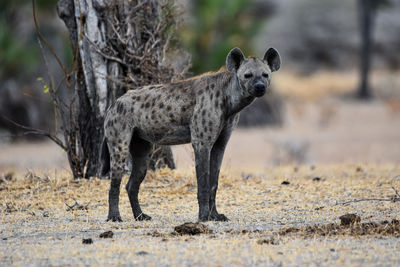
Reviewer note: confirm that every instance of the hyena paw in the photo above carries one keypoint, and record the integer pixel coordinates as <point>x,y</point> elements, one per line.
<point>218,217</point>
<point>142,217</point>
<point>114,218</point>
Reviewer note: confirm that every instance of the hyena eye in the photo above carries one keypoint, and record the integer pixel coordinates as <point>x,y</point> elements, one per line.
<point>265,75</point>
<point>248,75</point>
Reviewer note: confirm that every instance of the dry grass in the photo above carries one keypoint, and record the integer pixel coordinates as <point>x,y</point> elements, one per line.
<point>45,216</point>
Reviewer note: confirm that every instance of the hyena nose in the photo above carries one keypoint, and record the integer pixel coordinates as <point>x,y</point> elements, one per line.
<point>259,88</point>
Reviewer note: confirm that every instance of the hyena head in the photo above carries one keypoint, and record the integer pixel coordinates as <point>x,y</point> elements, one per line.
<point>253,74</point>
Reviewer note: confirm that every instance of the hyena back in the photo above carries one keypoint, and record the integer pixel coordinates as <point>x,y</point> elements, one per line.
<point>202,110</point>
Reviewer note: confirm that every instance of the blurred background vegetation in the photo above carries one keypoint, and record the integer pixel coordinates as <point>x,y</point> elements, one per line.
<point>312,36</point>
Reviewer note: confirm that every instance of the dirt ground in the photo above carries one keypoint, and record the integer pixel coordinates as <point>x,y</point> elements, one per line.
<point>284,190</point>
<point>45,217</point>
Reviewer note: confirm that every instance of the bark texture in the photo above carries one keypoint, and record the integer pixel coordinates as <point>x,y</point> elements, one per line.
<point>119,45</point>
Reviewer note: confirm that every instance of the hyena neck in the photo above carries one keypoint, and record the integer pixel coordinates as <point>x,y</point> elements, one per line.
<point>236,97</point>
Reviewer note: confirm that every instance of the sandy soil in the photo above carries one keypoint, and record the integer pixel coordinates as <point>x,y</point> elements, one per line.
<point>37,227</point>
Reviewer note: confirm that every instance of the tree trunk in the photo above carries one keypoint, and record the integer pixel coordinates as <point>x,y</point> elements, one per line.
<point>366,17</point>
<point>114,52</point>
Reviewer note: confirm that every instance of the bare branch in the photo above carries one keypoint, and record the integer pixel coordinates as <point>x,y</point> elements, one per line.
<point>47,43</point>
<point>98,50</point>
<point>38,132</point>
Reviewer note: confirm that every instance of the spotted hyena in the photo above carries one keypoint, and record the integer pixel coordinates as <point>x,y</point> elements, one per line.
<point>202,110</point>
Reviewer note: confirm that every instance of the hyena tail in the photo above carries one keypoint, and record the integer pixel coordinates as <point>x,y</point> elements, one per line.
<point>104,159</point>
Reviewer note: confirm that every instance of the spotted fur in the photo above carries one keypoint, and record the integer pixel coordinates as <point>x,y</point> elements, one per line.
<point>202,110</point>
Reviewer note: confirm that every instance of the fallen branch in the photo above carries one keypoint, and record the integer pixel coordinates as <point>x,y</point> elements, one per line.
<point>392,199</point>
<point>395,198</point>
<point>394,189</point>
<point>77,206</point>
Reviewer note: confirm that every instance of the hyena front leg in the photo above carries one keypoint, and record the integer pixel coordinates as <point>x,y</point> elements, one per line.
<point>217,154</point>
<point>202,159</point>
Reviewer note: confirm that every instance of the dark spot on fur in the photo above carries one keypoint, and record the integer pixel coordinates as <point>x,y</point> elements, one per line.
<point>195,116</point>
<point>201,135</point>
<point>183,109</point>
<point>218,94</point>
<point>209,138</point>
<point>142,105</point>
<point>120,107</point>
<point>138,98</point>
<point>161,105</point>
<point>202,99</point>
<point>211,96</point>
<point>153,116</point>
<point>210,124</point>
<point>147,105</point>
<point>203,112</point>
<point>201,91</point>
<point>216,103</point>
<point>212,86</point>
<point>203,121</point>
<point>169,108</point>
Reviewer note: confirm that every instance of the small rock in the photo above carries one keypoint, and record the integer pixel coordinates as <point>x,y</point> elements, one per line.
<point>87,241</point>
<point>9,176</point>
<point>192,229</point>
<point>349,219</point>
<point>269,241</point>
<point>316,179</point>
<point>107,234</point>
<point>142,253</point>
<point>359,169</point>
<point>285,182</point>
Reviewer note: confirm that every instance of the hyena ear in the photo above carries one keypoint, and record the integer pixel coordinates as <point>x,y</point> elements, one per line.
<point>234,59</point>
<point>273,59</point>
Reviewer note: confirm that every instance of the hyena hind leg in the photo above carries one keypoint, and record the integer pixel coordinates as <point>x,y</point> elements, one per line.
<point>118,156</point>
<point>140,150</point>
